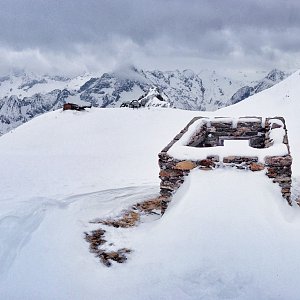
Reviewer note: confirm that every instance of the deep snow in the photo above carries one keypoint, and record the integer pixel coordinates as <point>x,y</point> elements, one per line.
<point>227,234</point>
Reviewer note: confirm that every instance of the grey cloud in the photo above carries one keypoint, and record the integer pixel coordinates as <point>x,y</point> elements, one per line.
<point>111,30</point>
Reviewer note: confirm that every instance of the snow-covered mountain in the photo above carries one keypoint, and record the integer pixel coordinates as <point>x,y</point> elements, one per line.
<point>228,234</point>
<point>272,78</point>
<point>184,89</point>
<point>25,95</point>
<point>154,98</point>
<point>26,84</point>
<point>14,111</point>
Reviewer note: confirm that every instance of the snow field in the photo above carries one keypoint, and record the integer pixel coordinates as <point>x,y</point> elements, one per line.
<point>228,234</point>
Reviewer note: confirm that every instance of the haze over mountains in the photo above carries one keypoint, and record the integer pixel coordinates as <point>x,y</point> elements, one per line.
<point>26,95</point>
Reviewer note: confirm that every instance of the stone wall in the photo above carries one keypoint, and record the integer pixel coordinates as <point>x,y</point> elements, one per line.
<point>213,133</point>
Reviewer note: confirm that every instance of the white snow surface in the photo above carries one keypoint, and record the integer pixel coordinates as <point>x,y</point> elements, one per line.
<point>227,234</point>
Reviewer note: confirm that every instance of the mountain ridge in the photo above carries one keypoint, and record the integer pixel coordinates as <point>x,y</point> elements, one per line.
<point>24,96</point>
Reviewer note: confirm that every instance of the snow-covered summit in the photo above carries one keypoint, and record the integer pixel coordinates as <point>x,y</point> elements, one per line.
<point>154,98</point>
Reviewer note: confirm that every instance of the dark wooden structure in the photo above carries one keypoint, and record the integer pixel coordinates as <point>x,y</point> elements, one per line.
<point>73,106</point>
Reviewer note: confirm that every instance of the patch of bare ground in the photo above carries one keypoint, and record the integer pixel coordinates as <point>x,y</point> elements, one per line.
<point>128,218</point>
<point>96,239</point>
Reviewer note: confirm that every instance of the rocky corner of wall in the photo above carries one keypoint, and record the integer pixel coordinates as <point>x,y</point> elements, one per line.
<point>262,135</point>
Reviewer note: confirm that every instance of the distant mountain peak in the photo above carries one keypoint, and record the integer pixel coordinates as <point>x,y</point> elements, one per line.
<point>273,77</point>
<point>276,75</point>
<point>25,95</point>
<point>189,73</point>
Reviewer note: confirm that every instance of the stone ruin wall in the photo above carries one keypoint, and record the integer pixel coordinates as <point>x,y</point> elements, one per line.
<point>278,168</point>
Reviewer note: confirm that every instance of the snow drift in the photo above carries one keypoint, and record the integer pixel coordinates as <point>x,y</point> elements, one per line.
<point>228,234</point>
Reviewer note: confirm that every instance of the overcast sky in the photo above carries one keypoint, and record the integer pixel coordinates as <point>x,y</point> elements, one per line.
<point>72,36</point>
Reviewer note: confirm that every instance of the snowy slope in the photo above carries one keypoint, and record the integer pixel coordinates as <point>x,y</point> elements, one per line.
<point>218,240</point>
<point>74,146</point>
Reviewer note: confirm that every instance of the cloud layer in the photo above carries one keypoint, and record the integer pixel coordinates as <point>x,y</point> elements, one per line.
<point>72,36</point>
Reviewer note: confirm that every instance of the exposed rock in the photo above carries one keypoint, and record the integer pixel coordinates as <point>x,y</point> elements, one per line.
<point>242,94</point>
<point>128,219</point>
<point>275,125</point>
<point>185,165</point>
<point>149,206</point>
<point>96,239</point>
<point>256,167</point>
<point>278,160</point>
<point>206,163</point>
<point>240,159</point>
<point>171,173</point>
<point>118,256</point>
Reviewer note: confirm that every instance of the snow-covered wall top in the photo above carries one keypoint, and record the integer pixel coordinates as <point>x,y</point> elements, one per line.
<point>235,142</point>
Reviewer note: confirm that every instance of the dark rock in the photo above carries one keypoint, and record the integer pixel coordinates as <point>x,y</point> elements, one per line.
<point>256,167</point>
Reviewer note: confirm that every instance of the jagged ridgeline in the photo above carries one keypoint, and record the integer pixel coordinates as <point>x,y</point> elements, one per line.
<point>26,95</point>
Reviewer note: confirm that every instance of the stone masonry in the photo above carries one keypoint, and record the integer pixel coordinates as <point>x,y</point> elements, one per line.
<point>213,132</point>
